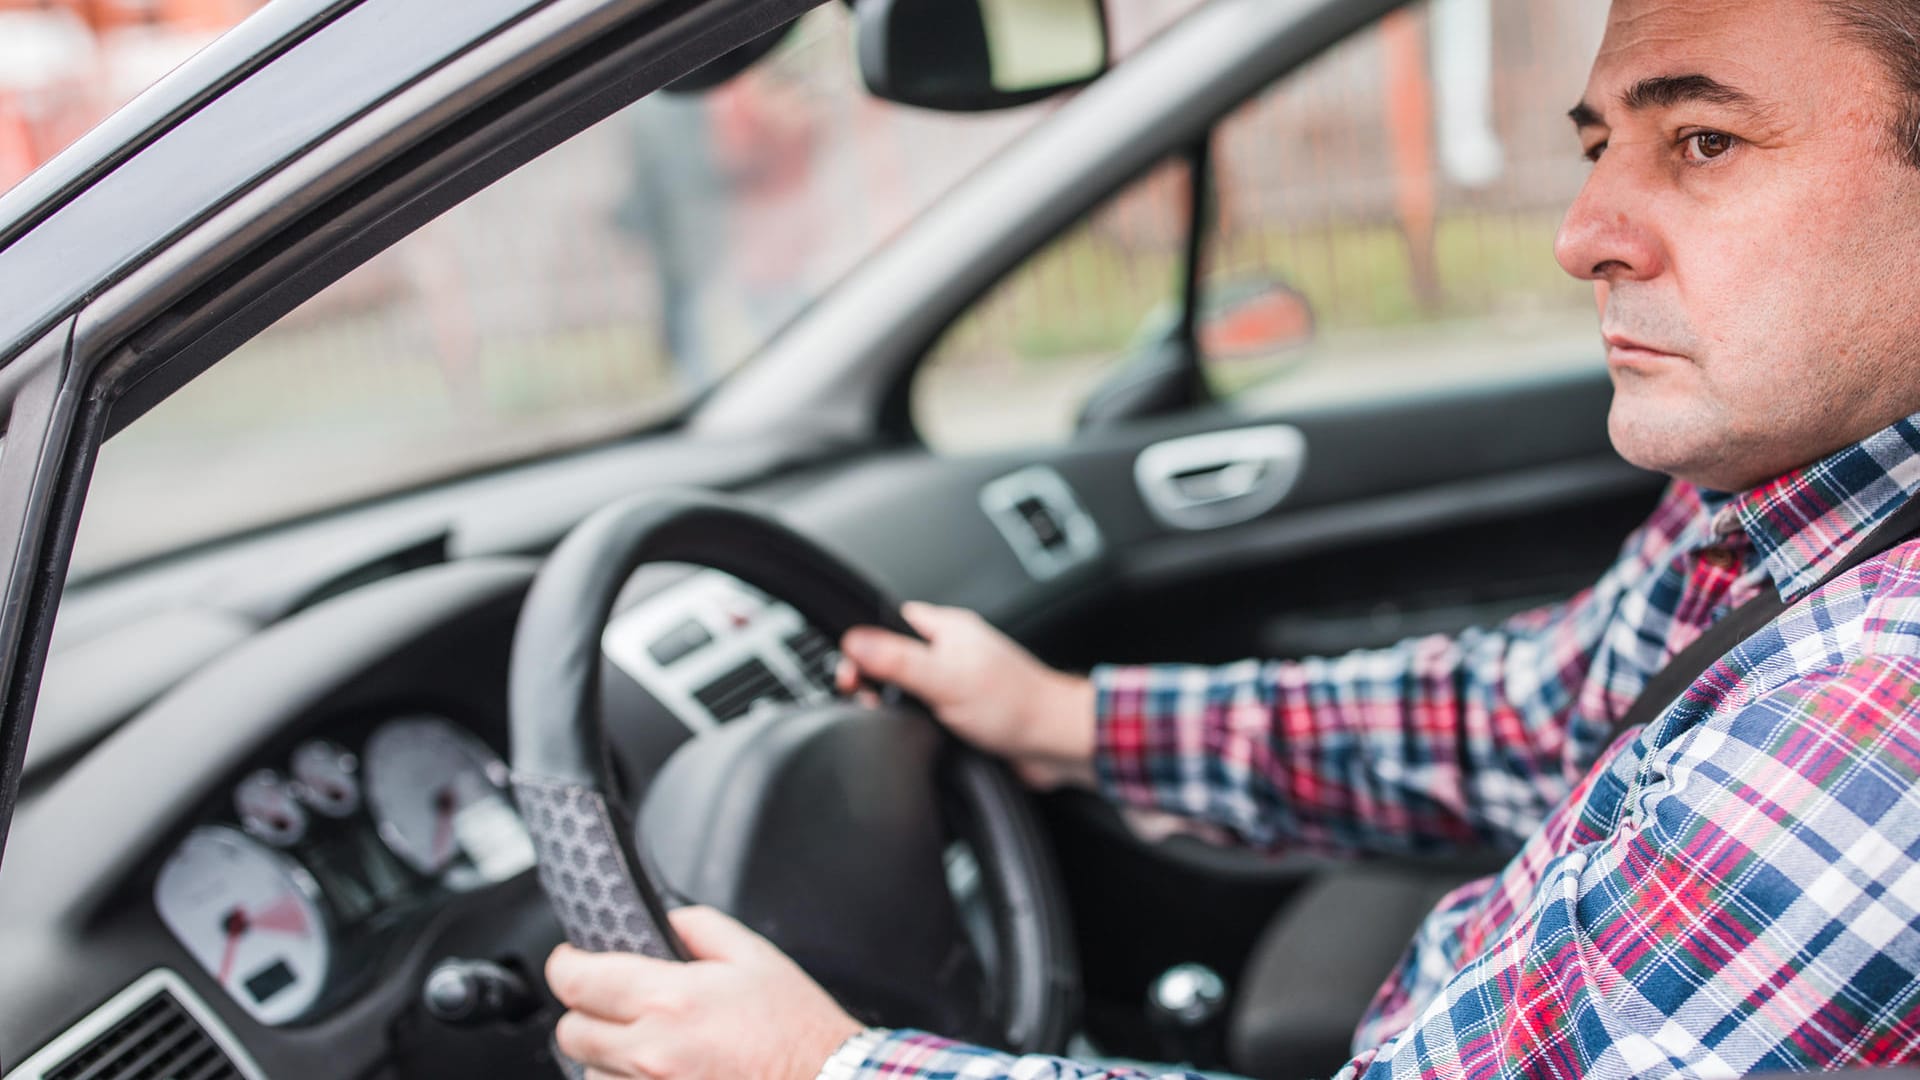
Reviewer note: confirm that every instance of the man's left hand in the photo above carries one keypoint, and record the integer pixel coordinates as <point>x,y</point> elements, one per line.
<point>740,1008</point>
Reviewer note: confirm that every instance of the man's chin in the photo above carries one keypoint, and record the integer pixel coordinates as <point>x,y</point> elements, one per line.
<point>1669,437</point>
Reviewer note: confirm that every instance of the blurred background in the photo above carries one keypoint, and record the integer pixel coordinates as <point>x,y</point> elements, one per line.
<point>1399,196</point>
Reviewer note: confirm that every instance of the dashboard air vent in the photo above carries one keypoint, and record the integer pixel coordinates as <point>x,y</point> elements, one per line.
<point>156,1040</point>
<point>735,693</point>
<point>147,1032</point>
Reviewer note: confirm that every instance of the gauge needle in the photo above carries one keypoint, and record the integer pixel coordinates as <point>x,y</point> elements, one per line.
<point>236,928</point>
<point>443,808</point>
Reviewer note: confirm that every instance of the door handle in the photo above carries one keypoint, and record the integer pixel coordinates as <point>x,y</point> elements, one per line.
<point>1221,478</point>
<point>1218,483</point>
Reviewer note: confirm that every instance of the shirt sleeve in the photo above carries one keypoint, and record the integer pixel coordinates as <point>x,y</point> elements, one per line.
<point>1754,911</point>
<point>916,1055</point>
<point>1435,744</point>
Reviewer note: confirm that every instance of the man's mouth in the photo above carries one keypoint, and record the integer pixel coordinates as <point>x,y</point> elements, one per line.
<point>1622,349</point>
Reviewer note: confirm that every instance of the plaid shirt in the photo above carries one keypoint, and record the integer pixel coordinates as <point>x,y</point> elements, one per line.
<point>1732,888</point>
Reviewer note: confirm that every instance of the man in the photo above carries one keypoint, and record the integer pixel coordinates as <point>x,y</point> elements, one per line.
<point>1732,888</point>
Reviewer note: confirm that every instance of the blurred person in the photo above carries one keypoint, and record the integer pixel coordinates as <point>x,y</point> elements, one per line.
<point>1470,150</point>
<point>1726,889</point>
<point>765,132</point>
<point>50,66</point>
<point>673,206</point>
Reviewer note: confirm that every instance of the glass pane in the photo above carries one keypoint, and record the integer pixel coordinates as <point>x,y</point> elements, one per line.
<point>1015,370</point>
<point>587,295</point>
<point>1406,187</point>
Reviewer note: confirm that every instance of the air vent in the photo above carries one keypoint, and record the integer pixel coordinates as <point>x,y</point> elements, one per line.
<point>815,656</point>
<point>147,1032</point>
<point>735,693</point>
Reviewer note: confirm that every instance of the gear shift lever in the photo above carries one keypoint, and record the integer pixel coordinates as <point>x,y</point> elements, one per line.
<point>1187,1008</point>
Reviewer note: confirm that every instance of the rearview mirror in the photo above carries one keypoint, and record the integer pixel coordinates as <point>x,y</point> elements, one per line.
<point>974,55</point>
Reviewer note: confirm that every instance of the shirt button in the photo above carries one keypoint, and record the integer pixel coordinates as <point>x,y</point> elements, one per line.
<point>1719,558</point>
<point>1727,521</point>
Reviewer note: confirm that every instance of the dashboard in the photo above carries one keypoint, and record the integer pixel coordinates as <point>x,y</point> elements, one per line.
<point>281,847</point>
<point>319,857</point>
<point>712,648</point>
<point>317,862</point>
<point>200,856</point>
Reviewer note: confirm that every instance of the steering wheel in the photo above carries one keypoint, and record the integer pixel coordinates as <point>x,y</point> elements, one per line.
<point>827,828</point>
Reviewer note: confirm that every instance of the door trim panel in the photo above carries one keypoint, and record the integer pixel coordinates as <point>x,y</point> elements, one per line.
<point>1161,561</point>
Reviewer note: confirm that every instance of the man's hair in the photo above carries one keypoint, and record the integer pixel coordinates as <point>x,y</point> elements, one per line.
<point>1891,29</point>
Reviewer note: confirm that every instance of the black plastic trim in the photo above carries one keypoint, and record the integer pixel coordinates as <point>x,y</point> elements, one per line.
<point>32,492</point>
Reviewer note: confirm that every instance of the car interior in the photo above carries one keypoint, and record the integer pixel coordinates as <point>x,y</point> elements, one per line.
<point>267,824</point>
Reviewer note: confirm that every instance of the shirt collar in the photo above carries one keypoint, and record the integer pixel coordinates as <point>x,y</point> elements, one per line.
<point>1806,522</point>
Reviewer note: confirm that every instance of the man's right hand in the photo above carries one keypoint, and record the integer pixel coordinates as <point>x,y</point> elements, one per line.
<point>987,689</point>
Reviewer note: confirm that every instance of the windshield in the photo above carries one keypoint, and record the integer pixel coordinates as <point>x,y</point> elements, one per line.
<point>590,294</point>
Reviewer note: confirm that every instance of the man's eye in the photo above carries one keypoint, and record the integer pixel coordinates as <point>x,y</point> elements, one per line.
<point>1707,145</point>
<point>1593,152</point>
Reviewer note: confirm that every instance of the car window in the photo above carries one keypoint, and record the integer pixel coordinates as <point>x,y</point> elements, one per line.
<point>1385,218</point>
<point>1382,222</point>
<point>1016,368</point>
<point>591,293</point>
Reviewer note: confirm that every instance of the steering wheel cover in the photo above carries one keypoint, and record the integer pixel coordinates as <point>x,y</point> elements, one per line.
<point>586,851</point>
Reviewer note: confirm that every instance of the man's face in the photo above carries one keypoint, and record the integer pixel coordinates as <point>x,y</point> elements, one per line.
<point>1752,241</point>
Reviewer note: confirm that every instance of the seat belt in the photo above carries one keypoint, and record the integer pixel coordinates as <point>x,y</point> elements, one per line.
<point>1749,618</point>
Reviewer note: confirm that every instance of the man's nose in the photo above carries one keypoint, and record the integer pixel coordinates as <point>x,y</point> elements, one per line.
<point>1608,234</point>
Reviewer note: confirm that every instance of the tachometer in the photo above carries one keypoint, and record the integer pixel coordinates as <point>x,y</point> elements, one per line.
<point>251,917</point>
<point>438,797</point>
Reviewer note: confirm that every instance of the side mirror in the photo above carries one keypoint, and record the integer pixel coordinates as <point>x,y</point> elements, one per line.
<point>1253,319</point>
<point>975,55</point>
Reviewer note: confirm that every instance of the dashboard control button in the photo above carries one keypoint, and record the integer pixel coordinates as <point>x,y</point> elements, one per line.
<point>686,638</point>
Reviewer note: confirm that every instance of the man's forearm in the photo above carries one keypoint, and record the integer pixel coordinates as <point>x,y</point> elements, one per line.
<point>1433,744</point>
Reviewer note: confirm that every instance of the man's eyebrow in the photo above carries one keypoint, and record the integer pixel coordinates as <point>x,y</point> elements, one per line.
<point>1666,91</point>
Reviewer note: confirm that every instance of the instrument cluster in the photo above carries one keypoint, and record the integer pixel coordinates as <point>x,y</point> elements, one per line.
<point>319,859</point>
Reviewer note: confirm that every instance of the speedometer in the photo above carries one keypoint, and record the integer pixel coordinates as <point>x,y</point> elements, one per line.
<point>251,917</point>
<point>438,797</point>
